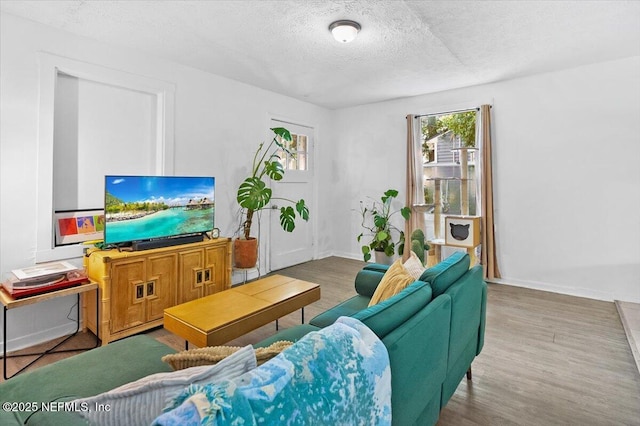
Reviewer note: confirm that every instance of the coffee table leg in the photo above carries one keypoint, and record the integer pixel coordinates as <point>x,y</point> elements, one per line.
<point>302,314</point>
<point>186,345</point>
<point>277,325</point>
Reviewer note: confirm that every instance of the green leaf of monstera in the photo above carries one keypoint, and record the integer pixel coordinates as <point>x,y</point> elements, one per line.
<point>253,194</point>
<point>382,235</point>
<point>287,218</point>
<point>380,221</point>
<point>366,252</point>
<point>274,169</point>
<point>405,212</point>
<point>391,193</point>
<point>282,132</point>
<point>302,210</point>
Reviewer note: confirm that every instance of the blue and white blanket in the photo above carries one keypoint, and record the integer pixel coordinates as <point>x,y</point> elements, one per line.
<point>339,375</point>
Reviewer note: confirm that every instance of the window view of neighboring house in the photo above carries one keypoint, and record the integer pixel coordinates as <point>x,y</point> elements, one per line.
<point>447,140</point>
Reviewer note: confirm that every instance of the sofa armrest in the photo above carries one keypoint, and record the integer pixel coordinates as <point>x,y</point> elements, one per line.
<point>483,318</point>
<point>379,267</point>
<point>367,281</point>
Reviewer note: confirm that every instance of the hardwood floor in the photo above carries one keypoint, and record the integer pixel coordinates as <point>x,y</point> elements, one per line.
<point>548,359</point>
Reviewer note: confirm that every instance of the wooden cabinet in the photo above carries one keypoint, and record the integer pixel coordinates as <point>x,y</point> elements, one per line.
<point>136,287</point>
<point>201,272</point>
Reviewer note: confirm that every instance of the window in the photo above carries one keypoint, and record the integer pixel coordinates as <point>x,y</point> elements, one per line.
<point>450,175</point>
<point>296,155</point>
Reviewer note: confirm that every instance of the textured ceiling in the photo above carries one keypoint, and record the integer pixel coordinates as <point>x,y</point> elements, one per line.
<point>405,48</point>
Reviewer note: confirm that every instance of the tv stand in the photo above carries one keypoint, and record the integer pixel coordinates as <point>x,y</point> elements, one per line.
<point>166,242</point>
<point>136,286</point>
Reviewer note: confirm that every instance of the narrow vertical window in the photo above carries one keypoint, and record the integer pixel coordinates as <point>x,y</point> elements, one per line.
<point>449,161</point>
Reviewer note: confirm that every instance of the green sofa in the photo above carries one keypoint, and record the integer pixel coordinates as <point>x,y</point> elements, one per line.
<point>432,339</point>
<point>432,330</point>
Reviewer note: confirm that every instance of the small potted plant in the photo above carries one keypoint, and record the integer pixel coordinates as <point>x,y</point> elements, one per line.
<point>254,195</point>
<point>376,220</point>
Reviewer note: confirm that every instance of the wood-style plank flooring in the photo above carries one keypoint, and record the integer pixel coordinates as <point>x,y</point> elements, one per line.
<point>548,359</point>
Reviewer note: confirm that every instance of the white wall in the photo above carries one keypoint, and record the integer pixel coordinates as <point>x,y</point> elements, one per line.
<point>567,178</point>
<point>566,147</point>
<point>218,125</point>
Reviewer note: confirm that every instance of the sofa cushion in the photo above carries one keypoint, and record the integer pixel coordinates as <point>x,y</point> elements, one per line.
<point>344,309</point>
<point>393,312</point>
<point>445,273</point>
<point>140,402</point>
<point>86,374</point>
<point>210,355</point>
<point>393,282</point>
<point>414,266</point>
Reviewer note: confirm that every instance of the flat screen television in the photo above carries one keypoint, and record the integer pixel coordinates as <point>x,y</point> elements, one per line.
<point>148,208</point>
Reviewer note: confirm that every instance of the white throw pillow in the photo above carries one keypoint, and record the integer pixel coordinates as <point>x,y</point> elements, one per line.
<point>140,402</point>
<point>413,266</point>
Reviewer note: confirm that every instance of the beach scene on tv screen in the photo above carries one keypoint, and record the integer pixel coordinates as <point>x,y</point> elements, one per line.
<point>148,207</point>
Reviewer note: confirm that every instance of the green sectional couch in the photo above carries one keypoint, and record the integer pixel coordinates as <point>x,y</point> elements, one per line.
<point>432,339</point>
<point>433,329</point>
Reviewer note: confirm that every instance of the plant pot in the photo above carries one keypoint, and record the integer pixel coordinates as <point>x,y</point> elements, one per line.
<point>382,258</point>
<point>245,252</point>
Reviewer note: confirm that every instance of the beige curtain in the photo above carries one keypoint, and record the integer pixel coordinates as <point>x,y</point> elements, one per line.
<point>414,187</point>
<point>488,256</point>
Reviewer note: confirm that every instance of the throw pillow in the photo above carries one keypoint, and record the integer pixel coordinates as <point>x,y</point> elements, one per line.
<point>414,266</point>
<point>214,354</point>
<point>199,356</point>
<point>142,401</point>
<point>394,281</point>
<point>265,354</point>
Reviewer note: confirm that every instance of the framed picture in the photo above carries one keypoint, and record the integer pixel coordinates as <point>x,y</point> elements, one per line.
<point>78,226</point>
<point>462,231</point>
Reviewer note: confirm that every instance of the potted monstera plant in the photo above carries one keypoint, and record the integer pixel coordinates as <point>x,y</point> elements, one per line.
<point>254,194</point>
<point>376,220</point>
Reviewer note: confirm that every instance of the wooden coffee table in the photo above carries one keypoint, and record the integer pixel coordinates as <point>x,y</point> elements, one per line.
<point>224,316</point>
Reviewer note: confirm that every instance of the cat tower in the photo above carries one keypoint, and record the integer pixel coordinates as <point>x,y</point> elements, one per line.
<point>459,231</point>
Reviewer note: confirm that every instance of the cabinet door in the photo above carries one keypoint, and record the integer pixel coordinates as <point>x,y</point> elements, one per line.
<point>191,275</point>
<point>160,289</point>
<point>215,265</point>
<point>128,306</point>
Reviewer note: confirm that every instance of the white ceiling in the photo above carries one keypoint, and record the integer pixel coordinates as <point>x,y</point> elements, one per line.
<point>405,48</point>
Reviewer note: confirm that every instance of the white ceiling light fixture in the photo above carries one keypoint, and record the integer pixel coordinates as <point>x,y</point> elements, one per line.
<point>344,31</point>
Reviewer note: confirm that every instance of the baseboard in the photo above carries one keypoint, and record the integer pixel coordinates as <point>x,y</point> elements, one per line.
<point>626,324</point>
<point>554,288</point>
<point>41,336</point>
<point>345,255</point>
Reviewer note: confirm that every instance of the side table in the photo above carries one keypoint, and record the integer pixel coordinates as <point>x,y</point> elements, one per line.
<point>9,302</point>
